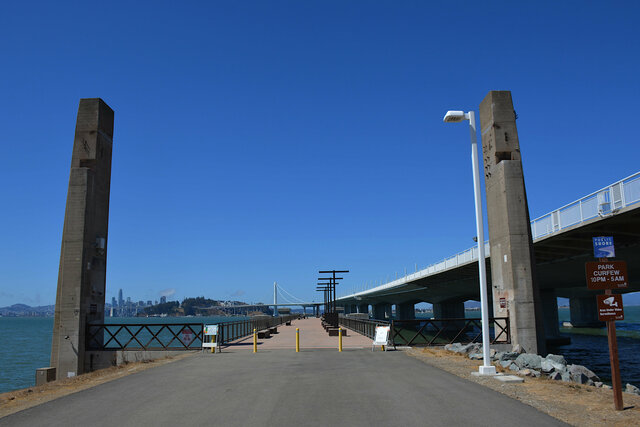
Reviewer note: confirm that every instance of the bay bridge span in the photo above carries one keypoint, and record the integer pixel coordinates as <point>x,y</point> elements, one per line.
<point>562,242</point>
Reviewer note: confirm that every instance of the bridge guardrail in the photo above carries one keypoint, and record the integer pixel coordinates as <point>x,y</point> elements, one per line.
<point>604,202</point>
<point>169,336</point>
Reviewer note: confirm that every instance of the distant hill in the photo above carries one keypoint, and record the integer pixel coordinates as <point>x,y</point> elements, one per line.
<point>23,310</point>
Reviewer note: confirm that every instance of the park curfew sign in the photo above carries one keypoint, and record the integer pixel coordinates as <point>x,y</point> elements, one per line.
<point>607,275</point>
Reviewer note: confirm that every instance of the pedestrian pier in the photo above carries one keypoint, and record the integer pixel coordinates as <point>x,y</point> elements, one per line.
<point>312,336</point>
<point>276,386</point>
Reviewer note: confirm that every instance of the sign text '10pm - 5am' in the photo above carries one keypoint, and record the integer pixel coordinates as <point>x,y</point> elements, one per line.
<point>606,275</point>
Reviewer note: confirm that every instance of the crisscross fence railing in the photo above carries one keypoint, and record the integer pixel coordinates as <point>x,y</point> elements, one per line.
<point>426,332</point>
<point>170,336</point>
<point>149,336</point>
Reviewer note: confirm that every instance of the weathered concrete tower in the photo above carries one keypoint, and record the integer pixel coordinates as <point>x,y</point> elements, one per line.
<point>83,257</point>
<point>515,291</point>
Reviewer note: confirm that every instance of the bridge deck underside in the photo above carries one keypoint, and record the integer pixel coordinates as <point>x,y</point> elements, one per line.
<point>560,265</point>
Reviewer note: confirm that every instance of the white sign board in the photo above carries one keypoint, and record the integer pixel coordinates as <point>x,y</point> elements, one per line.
<point>382,336</point>
<point>212,332</point>
<point>211,329</point>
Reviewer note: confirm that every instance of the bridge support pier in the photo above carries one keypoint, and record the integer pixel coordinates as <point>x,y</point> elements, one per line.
<point>550,316</point>
<point>448,310</point>
<point>363,308</point>
<point>584,312</point>
<point>347,308</point>
<point>381,310</point>
<point>405,311</point>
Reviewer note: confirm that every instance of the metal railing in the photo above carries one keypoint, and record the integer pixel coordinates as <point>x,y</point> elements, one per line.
<point>170,336</point>
<point>232,331</point>
<point>149,336</point>
<point>426,332</point>
<point>604,202</point>
<point>361,326</point>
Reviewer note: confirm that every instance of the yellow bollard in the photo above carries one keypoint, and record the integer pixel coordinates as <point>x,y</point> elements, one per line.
<point>213,340</point>
<point>255,341</point>
<point>297,340</point>
<point>339,339</point>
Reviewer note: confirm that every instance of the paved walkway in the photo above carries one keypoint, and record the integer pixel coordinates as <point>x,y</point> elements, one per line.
<point>312,336</point>
<point>316,387</point>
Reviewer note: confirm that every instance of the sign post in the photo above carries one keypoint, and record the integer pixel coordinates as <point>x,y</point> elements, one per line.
<point>607,275</point>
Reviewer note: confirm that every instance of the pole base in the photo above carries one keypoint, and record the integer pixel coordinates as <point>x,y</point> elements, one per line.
<point>487,370</point>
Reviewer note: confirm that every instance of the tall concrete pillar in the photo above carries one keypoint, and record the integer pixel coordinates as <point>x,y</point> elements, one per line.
<point>512,257</point>
<point>584,312</point>
<point>363,308</point>
<point>448,310</point>
<point>83,256</point>
<point>405,311</point>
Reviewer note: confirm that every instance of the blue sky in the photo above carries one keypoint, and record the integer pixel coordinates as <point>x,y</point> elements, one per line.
<point>261,141</point>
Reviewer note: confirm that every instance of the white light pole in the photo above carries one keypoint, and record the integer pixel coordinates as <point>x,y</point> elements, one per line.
<point>454,117</point>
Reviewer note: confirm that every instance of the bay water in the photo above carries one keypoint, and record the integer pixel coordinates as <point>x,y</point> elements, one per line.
<point>25,344</point>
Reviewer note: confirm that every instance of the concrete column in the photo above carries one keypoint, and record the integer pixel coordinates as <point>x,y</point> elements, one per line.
<point>584,312</point>
<point>347,308</point>
<point>353,308</point>
<point>550,312</point>
<point>448,310</point>
<point>512,257</point>
<point>83,256</point>
<point>381,310</point>
<point>363,308</point>
<point>405,311</point>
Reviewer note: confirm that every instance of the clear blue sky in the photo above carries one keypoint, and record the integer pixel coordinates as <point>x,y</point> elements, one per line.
<point>261,141</point>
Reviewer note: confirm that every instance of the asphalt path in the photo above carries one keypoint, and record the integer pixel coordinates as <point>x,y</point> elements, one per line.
<point>280,387</point>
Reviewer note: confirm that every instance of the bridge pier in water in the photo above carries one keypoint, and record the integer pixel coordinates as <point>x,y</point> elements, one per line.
<point>405,311</point>
<point>448,310</point>
<point>550,316</point>
<point>382,311</point>
<point>584,312</point>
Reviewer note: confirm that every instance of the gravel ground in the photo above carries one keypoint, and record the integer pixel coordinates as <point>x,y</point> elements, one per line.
<point>572,403</point>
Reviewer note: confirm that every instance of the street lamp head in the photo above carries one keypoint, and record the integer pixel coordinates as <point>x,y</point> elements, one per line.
<point>455,116</point>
